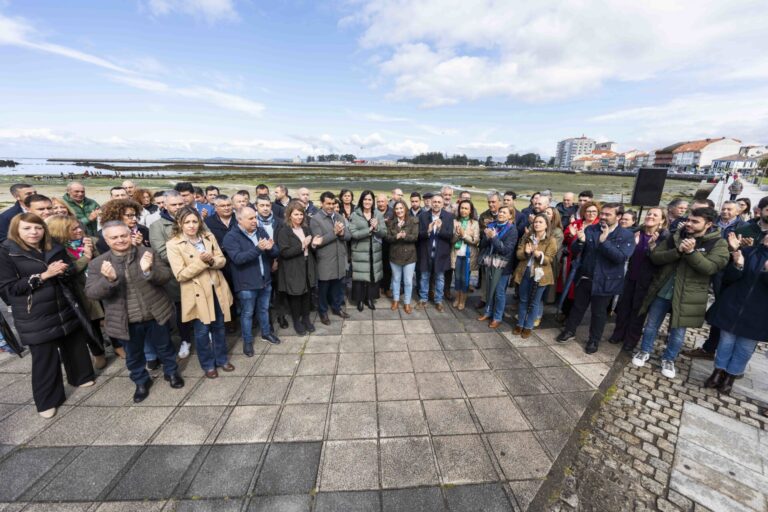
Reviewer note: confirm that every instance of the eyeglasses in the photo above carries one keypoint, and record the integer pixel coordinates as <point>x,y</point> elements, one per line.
<point>130,215</point>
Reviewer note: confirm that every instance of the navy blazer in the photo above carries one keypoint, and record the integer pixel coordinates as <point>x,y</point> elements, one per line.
<point>246,260</point>
<point>6,217</point>
<point>502,246</point>
<point>442,241</point>
<point>218,229</point>
<point>608,259</point>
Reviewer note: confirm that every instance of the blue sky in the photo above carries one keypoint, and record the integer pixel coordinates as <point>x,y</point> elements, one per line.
<point>249,79</point>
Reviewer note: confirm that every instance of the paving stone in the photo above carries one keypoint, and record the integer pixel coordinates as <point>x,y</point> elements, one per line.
<point>226,471</point>
<point>155,474</point>
<point>465,360</point>
<point>287,347</point>
<point>419,342</point>
<point>323,345</point>
<point>520,455</point>
<point>564,379</point>
<point>452,340</point>
<point>404,418</point>
<point>357,327</point>
<point>424,499</point>
<point>131,506</point>
<point>79,427</point>
<point>396,386</point>
<point>353,421</point>
<point>472,498</point>
<point>276,365</point>
<point>573,353</point>
<point>310,389</point>
<point>355,388</point>
<point>525,491</point>
<point>189,426</point>
<point>437,385</point>
<point>24,467</point>
<point>25,423</point>
<point>522,382</point>
<point>463,459</point>
<point>117,391</point>
<point>541,356</point>
<point>242,363</point>
<point>407,462</point>
<point>350,466</point>
<point>382,312</point>
<point>289,503</point>
<point>301,422</point>
<point>331,330</point>
<point>19,391</point>
<point>133,426</point>
<point>594,373</point>
<point>480,383</point>
<point>289,468</point>
<point>387,327</point>
<point>445,325</point>
<point>356,362</point>
<point>389,343</point>
<point>393,362</point>
<point>60,507</point>
<point>448,417</point>
<point>317,364</point>
<point>361,501</point>
<point>489,340</point>
<point>219,391</point>
<point>353,343</point>
<point>417,327</point>
<point>544,412</point>
<point>225,505</point>
<point>248,424</point>
<point>553,441</point>
<point>501,359</point>
<point>577,402</point>
<point>265,391</point>
<point>429,361</point>
<point>498,414</point>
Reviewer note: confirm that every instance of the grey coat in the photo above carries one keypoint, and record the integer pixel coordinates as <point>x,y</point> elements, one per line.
<point>332,252</point>
<point>113,295</point>
<point>159,233</point>
<point>367,246</point>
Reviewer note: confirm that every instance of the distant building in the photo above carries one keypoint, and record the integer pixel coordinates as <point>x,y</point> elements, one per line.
<point>569,149</point>
<point>753,151</point>
<point>695,155</point>
<point>631,160</point>
<point>736,163</point>
<point>606,146</point>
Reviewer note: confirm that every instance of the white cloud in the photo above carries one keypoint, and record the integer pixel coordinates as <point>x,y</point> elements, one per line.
<point>368,141</point>
<point>406,147</point>
<point>208,10</point>
<point>485,146</point>
<point>442,52</point>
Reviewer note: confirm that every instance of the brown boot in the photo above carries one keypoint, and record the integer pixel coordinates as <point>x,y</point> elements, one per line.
<point>456,300</point>
<point>494,324</point>
<point>727,385</point>
<point>716,379</point>
<point>483,318</point>
<point>462,300</point>
<point>526,333</point>
<point>408,309</point>
<point>395,305</point>
<point>517,330</point>
<point>99,362</point>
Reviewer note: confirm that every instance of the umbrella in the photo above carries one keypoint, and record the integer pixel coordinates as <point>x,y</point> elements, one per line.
<point>568,282</point>
<point>10,336</point>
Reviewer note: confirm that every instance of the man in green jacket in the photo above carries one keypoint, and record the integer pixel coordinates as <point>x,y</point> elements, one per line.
<point>86,209</point>
<point>688,260</point>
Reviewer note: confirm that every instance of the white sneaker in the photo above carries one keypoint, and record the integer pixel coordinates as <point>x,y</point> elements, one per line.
<point>184,350</point>
<point>640,358</point>
<point>48,413</point>
<point>668,369</point>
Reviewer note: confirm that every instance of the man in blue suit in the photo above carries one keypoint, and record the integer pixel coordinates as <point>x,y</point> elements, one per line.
<point>434,250</point>
<point>19,191</point>
<point>604,249</point>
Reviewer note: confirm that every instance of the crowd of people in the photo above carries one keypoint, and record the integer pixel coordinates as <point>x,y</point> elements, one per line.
<point>189,263</point>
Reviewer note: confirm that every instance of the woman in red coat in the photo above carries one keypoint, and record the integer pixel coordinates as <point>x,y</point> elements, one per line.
<point>588,214</point>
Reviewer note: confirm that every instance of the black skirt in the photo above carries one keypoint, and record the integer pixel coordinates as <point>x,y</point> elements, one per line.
<point>363,290</point>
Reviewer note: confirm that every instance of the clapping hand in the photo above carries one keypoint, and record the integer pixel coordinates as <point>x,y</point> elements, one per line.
<point>400,234</point>
<point>87,248</point>
<point>317,240</point>
<point>581,235</point>
<point>374,224</point>
<point>56,268</point>
<point>605,230</point>
<point>490,233</point>
<point>687,245</point>
<point>738,259</point>
<point>307,240</point>
<point>137,238</point>
<point>206,257</point>
<point>734,241</point>
<point>528,248</point>
<point>108,271</point>
<point>146,262</point>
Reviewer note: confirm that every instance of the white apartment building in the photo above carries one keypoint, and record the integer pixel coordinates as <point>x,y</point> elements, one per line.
<point>695,155</point>
<point>569,149</point>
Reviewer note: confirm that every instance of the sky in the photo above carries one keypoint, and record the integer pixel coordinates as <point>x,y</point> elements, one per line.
<point>287,78</point>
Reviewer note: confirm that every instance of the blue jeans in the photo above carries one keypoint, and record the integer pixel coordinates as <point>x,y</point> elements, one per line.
<point>495,307</point>
<point>524,319</point>
<point>656,313</point>
<point>210,340</point>
<point>402,273</point>
<point>439,285</point>
<point>150,352</point>
<point>257,300</point>
<point>734,352</point>
<point>140,334</point>
<point>461,274</point>
<point>332,290</point>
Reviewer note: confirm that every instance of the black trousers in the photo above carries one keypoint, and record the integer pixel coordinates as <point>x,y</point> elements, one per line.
<point>629,324</point>
<point>299,306</point>
<point>47,358</point>
<point>94,347</point>
<point>582,299</point>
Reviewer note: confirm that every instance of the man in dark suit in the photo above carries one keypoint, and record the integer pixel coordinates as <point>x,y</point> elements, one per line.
<point>434,250</point>
<point>19,191</point>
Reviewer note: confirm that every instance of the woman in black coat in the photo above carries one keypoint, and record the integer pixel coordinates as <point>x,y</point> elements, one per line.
<point>296,266</point>
<point>33,271</point>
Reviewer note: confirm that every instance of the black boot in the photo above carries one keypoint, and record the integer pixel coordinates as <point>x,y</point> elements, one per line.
<point>716,379</point>
<point>727,385</point>
<point>370,304</point>
<point>142,391</point>
<point>282,322</point>
<point>298,326</point>
<point>360,306</point>
<point>307,324</point>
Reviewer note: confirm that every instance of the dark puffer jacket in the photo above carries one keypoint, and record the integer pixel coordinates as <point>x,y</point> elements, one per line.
<point>43,314</point>
<point>692,273</point>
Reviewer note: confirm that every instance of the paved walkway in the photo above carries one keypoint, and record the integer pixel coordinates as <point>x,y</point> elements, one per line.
<point>752,191</point>
<point>385,411</point>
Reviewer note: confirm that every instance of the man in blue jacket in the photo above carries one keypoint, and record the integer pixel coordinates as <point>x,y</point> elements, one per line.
<point>603,249</point>
<point>434,250</point>
<point>251,250</point>
<point>19,191</point>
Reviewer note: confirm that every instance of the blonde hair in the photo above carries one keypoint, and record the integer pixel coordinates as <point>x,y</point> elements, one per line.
<point>57,201</point>
<point>59,227</point>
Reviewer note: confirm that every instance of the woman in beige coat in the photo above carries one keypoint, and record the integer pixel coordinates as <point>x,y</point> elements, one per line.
<point>196,260</point>
<point>466,239</point>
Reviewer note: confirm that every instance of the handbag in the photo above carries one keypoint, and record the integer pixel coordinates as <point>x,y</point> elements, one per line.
<point>82,317</point>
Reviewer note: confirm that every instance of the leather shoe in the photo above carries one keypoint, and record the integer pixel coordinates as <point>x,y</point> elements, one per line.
<point>282,322</point>
<point>395,305</point>
<point>307,324</point>
<point>408,309</point>
<point>494,324</point>
<point>517,330</point>
<point>271,338</point>
<point>142,391</point>
<point>175,381</point>
<point>341,313</point>
<point>212,374</point>
<point>526,333</point>
<point>483,318</point>
<point>370,304</point>
<point>591,347</point>
<point>298,326</point>
<point>716,379</point>
<point>727,385</point>
<point>324,320</point>
<point>565,336</point>
<point>229,367</point>
<point>439,307</point>
<point>360,306</point>
<point>248,349</point>
<point>613,341</point>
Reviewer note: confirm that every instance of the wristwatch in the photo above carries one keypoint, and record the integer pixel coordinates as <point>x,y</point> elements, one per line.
<point>35,281</point>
